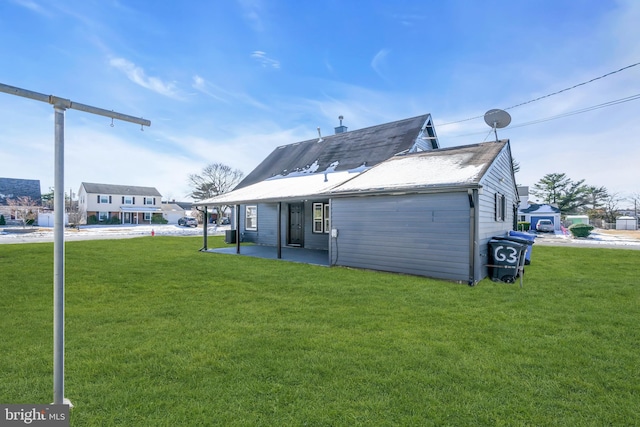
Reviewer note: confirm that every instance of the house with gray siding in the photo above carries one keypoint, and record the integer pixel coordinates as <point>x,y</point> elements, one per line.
<point>19,195</point>
<point>383,198</point>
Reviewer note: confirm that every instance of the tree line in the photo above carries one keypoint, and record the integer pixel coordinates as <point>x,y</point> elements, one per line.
<point>576,197</point>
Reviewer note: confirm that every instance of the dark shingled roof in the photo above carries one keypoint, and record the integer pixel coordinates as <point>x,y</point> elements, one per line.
<point>368,147</point>
<point>120,190</point>
<point>12,188</point>
<point>534,207</point>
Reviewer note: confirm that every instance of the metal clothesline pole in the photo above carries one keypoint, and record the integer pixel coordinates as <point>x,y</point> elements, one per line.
<point>60,105</point>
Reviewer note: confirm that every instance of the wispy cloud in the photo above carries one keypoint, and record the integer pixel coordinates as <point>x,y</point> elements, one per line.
<point>138,76</point>
<point>378,62</point>
<point>216,92</point>
<point>253,13</point>
<point>31,5</point>
<point>264,60</point>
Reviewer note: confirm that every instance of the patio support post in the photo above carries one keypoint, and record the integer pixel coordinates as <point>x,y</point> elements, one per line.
<point>237,229</point>
<point>205,226</point>
<point>279,230</point>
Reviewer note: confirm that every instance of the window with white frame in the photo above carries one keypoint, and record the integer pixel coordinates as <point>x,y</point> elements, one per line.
<point>103,216</point>
<point>321,222</point>
<point>251,217</point>
<point>149,201</point>
<point>501,207</point>
<point>147,216</point>
<point>103,199</point>
<point>127,200</point>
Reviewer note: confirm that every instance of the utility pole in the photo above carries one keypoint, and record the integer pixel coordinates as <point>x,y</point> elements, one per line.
<point>60,105</point>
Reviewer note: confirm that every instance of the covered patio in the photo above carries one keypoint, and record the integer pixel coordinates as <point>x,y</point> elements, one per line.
<point>301,255</point>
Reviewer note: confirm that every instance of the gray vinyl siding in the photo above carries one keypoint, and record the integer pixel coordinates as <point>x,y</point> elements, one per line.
<point>491,184</point>
<point>266,230</point>
<point>313,240</point>
<point>267,226</point>
<point>425,235</point>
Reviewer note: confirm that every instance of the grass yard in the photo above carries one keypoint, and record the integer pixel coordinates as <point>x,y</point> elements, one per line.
<point>159,334</point>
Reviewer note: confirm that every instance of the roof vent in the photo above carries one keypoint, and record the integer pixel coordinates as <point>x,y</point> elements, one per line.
<point>340,129</point>
<point>319,135</point>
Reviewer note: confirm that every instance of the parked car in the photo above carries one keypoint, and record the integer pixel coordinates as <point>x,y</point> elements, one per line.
<point>188,221</point>
<point>545,225</point>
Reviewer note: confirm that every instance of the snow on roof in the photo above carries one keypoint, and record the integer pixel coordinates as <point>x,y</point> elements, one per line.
<point>416,171</point>
<point>280,188</point>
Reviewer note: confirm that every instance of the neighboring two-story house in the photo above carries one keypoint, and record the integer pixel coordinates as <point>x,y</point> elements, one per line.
<point>127,203</point>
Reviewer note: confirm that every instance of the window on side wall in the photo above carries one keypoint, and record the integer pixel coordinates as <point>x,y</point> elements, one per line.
<point>321,218</point>
<point>251,218</point>
<point>500,207</point>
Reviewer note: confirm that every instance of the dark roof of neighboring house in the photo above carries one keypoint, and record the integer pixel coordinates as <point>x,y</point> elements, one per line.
<point>348,150</point>
<point>123,190</point>
<point>12,188</point>
<point>545,207</point>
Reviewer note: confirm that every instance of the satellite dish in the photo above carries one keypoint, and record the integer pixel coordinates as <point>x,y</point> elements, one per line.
<point>497,119</point>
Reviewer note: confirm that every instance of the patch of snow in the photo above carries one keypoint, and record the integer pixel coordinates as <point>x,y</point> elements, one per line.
<point>415,171</point>
<point>91,232</point>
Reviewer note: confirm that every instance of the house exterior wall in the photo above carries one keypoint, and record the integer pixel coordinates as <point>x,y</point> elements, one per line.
<point>499,179</point>
<point>266,233</point>
<point>420,234</point>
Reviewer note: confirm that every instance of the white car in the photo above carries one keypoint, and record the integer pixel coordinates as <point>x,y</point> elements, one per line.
<point>188,221</point>
<point>545,225</point>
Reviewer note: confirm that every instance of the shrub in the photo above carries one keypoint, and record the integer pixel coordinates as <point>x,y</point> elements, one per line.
<point>580,230</point>
<point>92,219</point>
<point>113,220</point>
<point>2,220</point>
<point>158,219</point>
<point>524,226</point>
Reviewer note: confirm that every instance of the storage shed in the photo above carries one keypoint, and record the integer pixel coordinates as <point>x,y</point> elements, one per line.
<point>423,211</point>
<point>626,223</point>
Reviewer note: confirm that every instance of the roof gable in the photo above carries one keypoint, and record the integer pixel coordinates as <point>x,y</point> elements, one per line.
<point>124,190</point>
<point>345,151</point>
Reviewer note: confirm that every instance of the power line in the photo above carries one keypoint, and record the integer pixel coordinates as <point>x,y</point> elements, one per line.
<point>548,95</point>
<point>567,114</point>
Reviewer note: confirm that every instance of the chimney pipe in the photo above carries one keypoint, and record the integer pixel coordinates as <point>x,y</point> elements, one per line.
<point>340,129</point>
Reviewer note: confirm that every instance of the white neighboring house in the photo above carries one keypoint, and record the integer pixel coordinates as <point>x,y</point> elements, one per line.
<point>172,212</point>
<point>129,204</point>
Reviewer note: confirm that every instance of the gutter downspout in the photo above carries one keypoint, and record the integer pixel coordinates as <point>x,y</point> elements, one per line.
<point>473,242</point>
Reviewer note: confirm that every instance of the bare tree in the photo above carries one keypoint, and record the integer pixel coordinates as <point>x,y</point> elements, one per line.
<point>610,208</point>
<point>215,179</point>
<point>25,208</point>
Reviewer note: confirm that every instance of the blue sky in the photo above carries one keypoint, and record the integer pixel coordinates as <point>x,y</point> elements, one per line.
<point>228,81</point>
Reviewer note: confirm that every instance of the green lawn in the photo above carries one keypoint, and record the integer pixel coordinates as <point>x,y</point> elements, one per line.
<point>159,334</point>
